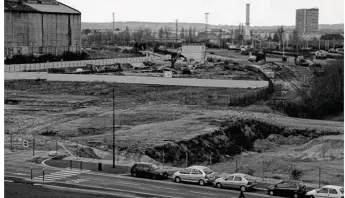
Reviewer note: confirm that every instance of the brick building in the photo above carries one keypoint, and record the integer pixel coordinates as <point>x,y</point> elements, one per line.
<point>41,26</point>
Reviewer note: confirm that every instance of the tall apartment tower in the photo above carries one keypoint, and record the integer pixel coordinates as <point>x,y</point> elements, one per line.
<point>247,29</point>
<point>307,21</point>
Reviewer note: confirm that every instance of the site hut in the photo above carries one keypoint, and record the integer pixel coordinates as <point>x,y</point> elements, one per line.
<point>41,27</point>
<point>194,51</point>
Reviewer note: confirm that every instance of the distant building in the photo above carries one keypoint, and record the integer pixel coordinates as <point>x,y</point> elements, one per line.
<point>41,26</point>
<point>307,21</point>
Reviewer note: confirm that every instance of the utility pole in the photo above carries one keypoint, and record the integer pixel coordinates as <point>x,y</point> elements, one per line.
<point>176,30</point>
<point>333,43</point>
<point>113,127</point>
<point>319,177</point>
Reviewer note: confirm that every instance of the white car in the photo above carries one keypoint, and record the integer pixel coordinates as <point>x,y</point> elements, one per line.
<point>237,180</point>
<point>327,191</point>
<point>197,174</point>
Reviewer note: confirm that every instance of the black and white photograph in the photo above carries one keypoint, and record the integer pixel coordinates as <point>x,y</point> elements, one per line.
<point>173,99</point>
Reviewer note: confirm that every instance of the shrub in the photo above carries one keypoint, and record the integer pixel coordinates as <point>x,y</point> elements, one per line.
<point>322,96</point>
<point>209,59</point>
<point>219,60</point>
<point>296,174</point>
<point>250,171</point>
<point>126,51</point>
<point>276,177</point>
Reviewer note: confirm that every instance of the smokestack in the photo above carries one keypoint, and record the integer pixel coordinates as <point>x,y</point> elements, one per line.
<point>247,14</point>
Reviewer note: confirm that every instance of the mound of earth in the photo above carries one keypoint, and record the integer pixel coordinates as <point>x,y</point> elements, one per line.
<point>87,152</point>
<point>322,149</point>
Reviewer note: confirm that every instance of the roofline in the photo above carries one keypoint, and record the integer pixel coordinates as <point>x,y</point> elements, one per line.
<point>70,7</point>
<point>37,11</point>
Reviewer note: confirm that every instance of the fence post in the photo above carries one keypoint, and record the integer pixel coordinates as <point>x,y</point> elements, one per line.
<point>236,165</point>
<point>319,177</point>
<point>11,139</point>
<point>77,150</point>
<point>263,170</point>
<point>33,146</point>
<point>31,172</point>
<point>70,164</point>
<point>81,165</point>
<point>56,147</point>
<point>186,159</point>
<point>43,175</point>
<point>210,160</point>
<point>163,159</point>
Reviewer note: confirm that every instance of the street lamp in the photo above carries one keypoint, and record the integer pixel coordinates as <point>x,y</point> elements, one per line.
<point>113,127</point>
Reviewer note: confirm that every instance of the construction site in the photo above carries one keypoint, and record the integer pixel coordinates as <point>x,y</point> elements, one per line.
<point>72,108</point>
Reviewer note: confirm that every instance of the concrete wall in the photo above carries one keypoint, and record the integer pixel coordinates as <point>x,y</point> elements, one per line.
<point>41,33</point>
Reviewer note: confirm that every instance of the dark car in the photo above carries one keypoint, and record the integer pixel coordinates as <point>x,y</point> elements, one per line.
<point>293,189</point>
<point>148,170</point>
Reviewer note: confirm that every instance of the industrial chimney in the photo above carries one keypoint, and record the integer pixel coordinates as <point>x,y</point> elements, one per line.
<point>247,19</point>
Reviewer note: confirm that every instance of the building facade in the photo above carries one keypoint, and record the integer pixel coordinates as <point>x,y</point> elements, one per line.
<point>41,27</point>
<point>307,21</point>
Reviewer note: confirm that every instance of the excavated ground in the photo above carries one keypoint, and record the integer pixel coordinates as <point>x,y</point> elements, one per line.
<point>150,119</point>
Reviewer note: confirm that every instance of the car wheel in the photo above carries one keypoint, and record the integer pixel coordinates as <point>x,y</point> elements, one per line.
<point>134,174</point>
<point>177,180</point>
<point>201,182</point>
<point>219,185</point>
<point>295,195</point>
<point>270,193</point>
<point>243,188</point>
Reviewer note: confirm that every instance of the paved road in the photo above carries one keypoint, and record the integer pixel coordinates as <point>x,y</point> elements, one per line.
<point>139,80</point>
<point>118,183</point>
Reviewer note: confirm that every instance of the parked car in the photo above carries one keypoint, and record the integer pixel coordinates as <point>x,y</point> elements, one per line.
<point>327,191</point>
<point>340,50</point>
<point>148,170</point>
<point>240,181</point>
<point>197,174</point>
<point>293,189</point>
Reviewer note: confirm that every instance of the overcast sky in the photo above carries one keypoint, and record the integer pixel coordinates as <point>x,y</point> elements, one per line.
<point>224,12</point>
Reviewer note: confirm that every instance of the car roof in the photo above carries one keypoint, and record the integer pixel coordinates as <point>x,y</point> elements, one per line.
<point>332,186</point>
<point>238,174</point>
<point>198,167</point>
<point>146,163</point>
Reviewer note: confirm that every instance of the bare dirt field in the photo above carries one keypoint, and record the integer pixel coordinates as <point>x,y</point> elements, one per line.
<point>148,115</point>
<point>150,119</point>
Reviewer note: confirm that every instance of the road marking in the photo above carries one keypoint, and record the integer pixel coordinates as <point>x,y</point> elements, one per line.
<point>89,178</point>
<point>57,175</point>
<point>203,193</point>
<point>163,188</point>
<point>12,173</point>
<point>19,174</point>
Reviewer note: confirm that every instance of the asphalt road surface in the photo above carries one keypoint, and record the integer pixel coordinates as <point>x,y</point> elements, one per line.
<point>117,183</point>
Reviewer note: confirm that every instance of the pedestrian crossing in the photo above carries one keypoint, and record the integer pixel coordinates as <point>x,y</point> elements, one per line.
<point>63,174</point>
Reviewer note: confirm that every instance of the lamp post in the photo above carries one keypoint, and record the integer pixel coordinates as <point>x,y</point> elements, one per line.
<point>113,127</point>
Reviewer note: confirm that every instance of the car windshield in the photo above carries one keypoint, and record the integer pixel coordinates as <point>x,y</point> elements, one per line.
<point>341,190</point>
<point>154,167</point>
<point>207,171</point>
